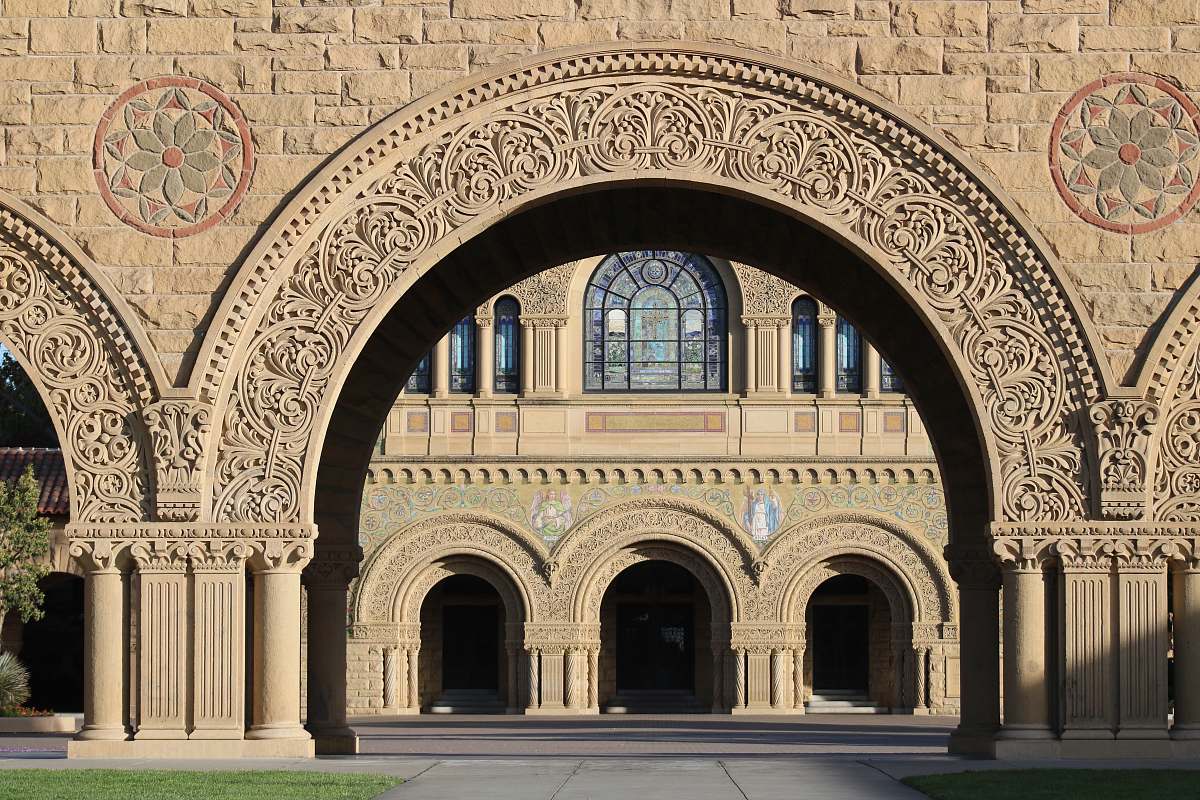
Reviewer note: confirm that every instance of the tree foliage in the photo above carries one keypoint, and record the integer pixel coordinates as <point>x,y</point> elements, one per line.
<point>24,421</point>
<point>24,543</point>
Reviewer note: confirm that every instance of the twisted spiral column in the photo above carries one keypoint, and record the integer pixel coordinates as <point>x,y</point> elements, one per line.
<point>739,679</point>
<point>776,679</point>
<point>718,680</point>
<point>389,677</point>
<point>921,656</point>
<point>532,656</point>
<point>414,693</point>
<point>593,677</point>
<point>798,678</point>
<point>571,678</point>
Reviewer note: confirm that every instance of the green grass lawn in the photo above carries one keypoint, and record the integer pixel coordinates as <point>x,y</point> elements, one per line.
<point>1061,784</point>
<point>119,784</point>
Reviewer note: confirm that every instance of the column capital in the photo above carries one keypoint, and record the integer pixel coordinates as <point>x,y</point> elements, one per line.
<point>1122,456</point>
<point>1021,555</point>
<point>160,556</point>
<point>281,555</point>
<point>973,567</point>
<point>98,556</point>
<point>333,567</point>
<point>179,432</point>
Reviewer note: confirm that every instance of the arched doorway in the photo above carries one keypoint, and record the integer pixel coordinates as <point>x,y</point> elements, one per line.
<point>850,647</point>
<point>51,648</point>
<point>655,641</point>
<point>463,665</point>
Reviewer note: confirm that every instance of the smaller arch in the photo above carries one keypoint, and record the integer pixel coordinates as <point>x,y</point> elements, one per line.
<point>898,590</point>
<point>406,606</point>
<point>805,354</point>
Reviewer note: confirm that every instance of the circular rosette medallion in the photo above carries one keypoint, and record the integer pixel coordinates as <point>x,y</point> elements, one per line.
<point>172,156</point>
<point>1123,153</point>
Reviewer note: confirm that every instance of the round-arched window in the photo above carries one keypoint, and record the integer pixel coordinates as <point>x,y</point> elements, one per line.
<point>654,320</point>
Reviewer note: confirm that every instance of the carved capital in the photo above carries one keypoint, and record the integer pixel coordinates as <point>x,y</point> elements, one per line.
<point>281,555</point>
<point>1021,555</point>
<point>218,556</point>
<point>1122,470</point>
<point>333,567</point>
<point>973,568</point>
<point>179,433</point>
<point>97,556</point>
<point>160,556</point>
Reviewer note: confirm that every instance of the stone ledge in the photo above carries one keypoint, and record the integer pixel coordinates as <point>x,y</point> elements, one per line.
<point>193,748</point>
<point>57,723</point>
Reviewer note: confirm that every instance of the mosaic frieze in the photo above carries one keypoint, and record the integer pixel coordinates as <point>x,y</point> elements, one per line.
<point>551,511</point>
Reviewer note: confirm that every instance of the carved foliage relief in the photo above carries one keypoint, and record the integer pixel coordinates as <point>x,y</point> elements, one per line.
<point>991,293</point>
<point>64,333</point>
<point>1177,467</point>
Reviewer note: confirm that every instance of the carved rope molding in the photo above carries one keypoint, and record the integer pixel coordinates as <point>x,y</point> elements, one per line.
<point>808,144</point>
<point>70,340</point>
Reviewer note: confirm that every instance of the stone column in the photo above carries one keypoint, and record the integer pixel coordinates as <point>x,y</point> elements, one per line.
<point>872,371</point>
<point>593,655</point>
<point>921,657</point>
<point>439,374</point>
<point>1187,650</point>
<point>104,642</point>
<point>798,678</point>
<point>553,688</point>
<point>218,640</point>
<point>901,677</point>
<point>777,685</point>
<point>562,357</point>
<point>571,679</point>
<point>485,356</point>
<point>1143,645</point>
<point>751,356</point>
<point>526,366</point>
<point>414,679</point>
<point>533,658</point>
<point>391,677</point>
<point>327,579</point>
<point>512,702</point>
<point>163,621</point>
<point>783,348</point>
<point>718,679</point>
<point>1085,619</point>
<point>739,679</point>
<point>979,615</point>
<point>827,353</point>
<point>276,689</point>
<point>1027,711</point>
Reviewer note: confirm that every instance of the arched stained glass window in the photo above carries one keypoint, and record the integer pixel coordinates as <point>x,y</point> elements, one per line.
<point>462,356</point>
<point>654,320</point>
<point>804,345</point>
<point>849,357</point>
<point>508,331</point>
<point>889,381</point>
<point>418,381</point>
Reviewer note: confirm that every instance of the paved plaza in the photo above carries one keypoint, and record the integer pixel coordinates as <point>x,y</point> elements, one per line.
<point>632,758</point>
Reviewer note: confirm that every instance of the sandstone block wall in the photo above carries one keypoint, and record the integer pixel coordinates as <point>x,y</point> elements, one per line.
<point>308,75</point>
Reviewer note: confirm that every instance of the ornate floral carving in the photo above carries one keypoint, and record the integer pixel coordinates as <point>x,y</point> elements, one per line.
<point>1123,153</point>
<point>178,433</point>
<point>772,132</point>
<point>1124,430</point>
<point>764,294</point>
<point>173,156</point>
<point>1177,462</point>
<point>545,293</point>
<point>72,343</point>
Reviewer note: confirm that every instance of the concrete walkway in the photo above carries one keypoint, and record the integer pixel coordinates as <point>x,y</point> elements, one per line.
<point>618,758</point>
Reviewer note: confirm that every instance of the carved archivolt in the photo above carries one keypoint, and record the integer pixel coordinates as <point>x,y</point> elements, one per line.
<point>403,192</point>
<point>899,597</point>
<point>1177,465</point>
<point>397,564</point>
<point>73,342</point>
<point>798,553</point>
<point>411,595</point>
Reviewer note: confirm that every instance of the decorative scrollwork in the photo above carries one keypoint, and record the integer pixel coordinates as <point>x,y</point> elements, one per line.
<point>1123,432</point>
<point>649,115</point>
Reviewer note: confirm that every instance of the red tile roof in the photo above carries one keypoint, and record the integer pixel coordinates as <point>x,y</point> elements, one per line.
<point>48,468</point>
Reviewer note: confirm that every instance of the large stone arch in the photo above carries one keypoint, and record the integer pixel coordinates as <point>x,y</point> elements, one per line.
<point>558,132</point>
<point>80,346</point>
<point>389,575</point>
<point>796,554</point>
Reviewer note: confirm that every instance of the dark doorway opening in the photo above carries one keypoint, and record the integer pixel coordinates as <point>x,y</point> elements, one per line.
<point>51,648</point>
<point>463,669</point>
<point>654,626</point>
<point>841,635</point>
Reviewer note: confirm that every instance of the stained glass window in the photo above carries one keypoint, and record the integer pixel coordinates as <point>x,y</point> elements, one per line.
<point>418,381</point>
<point>508,316</point>
<point>462,356</point>
<point>889,381</point>
<point>849,357</point>
<point>804,345</point>
<point>654,320</point>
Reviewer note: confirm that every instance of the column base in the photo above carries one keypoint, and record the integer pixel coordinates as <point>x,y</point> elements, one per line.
<point>88,734</point>
<point>1025,732</point>
<point>269,732</point>
<point>760,710</point>
<point>1185,732</point>
<point>335,741</point>
<point>191,748</point>
<point>980,743</point>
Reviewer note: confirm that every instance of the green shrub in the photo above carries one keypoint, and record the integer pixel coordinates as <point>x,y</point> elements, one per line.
<point>14,681</point>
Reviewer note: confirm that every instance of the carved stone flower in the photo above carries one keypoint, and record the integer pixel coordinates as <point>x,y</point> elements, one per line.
<point>1122,153</point>
<point>173,156</point>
